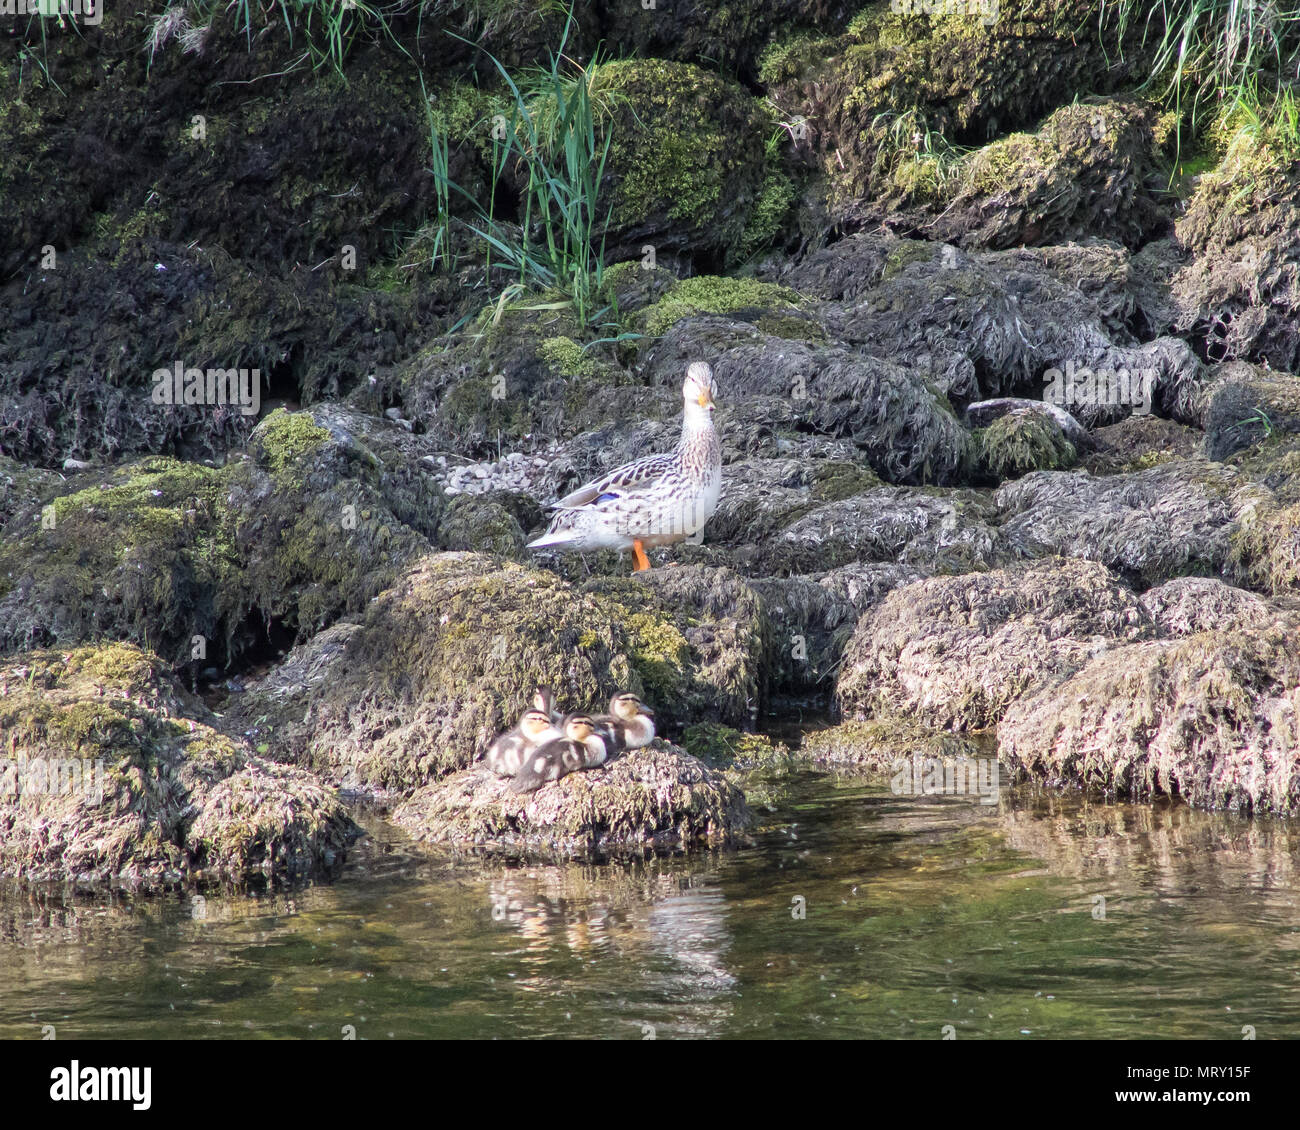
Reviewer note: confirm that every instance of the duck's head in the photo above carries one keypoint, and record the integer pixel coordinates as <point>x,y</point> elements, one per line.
<point>534,723</point>
<point>579,727</point>
<point>543,699</point>
<point>699,388</point>
<point>627,706</point>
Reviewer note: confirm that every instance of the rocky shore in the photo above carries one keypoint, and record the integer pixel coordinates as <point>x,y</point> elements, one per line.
<point>1011,439</point>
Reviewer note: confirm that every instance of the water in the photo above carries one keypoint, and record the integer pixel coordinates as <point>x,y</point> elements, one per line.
<point>920,913</point>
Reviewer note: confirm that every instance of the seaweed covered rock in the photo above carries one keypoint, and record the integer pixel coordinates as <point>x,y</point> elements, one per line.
<point>656,799</point>
<point>955,652</point>
<point>1239,288</point>
<point>946,531</point>
<point>963,321</point>
<point>113,774</point>
<point>230,209</point>
<point>1172,519</point>
<point>1212,717</point>
<point>905,429</point>
<point>1245,404</point>
<point>197,560</point>
<point>1187,605</point>
<point>419,684</point>
<point>1089,171</point>
<point>1020,442</point>
<point>1139,442</point>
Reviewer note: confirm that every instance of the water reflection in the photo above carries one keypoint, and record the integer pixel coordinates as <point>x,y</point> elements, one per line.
<point>855,913</point>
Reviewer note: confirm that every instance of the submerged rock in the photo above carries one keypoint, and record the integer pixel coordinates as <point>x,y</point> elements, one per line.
<point>955,652</point>
<point>113,774</point>
<point>1212,717</point>
<point>659,798</point>
<point>418,686</point>
<point>883,744</point>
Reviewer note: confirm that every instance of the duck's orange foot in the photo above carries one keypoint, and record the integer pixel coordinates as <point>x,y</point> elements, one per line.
<point>641,561</point>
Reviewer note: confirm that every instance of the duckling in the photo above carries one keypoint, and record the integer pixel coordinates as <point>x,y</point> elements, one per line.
<point>630,724</point>
<point>580,748</point>
<point>544,700</point>
<point>507,753</point>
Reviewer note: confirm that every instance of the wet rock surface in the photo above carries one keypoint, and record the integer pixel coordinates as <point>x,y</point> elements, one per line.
<point>113,774</point>
<point>1009,429</point>
<point>655,799</point>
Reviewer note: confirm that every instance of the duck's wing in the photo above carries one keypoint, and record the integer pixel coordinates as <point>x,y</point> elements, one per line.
<point>627,479</point>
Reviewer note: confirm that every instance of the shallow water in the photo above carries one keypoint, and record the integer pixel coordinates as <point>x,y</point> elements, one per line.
<point>920,913</point>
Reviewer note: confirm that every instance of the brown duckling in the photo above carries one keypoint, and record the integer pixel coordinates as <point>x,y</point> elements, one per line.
<point>507,753</point>
<point>580,747</point>
<point>630,724</point>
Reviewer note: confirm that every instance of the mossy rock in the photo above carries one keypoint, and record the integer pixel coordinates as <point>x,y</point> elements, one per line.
<point>953,653</point>
<point>155,796</point>
<point>194,561</point>
<point>1090,171</point>
<point>687,163</point>
<point>1209,717</point>
<point>481,524</point>
<point>1020,442</point>
<point>709,294</point>
<point>882,744</point>
<point>419,685</point>
<point>652,800</point>
<point>962,77</point>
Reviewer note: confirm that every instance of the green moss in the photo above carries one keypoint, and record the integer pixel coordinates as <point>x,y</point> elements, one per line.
<point>287,436</point>
<point>722,747</point>
<point>1020,442</point>
<point>833,481</point>
<point>775,201</point>
<point>685,147</point>
<point>712,294</point>
<point>659,652</point>
<point>568,358</point>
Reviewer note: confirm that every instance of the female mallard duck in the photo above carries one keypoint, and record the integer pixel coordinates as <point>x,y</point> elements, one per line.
<point>507,753</point>
<point>580,748</point>
<point>630,724</point>
<point>656,500</point>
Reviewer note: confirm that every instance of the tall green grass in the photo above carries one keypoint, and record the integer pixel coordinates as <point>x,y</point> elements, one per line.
<point>1208,55</point>
<point>554,147</point>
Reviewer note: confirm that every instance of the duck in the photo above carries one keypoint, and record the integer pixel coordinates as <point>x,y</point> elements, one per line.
<point>580,747</point>
<point>653,501</point>
<point>630,724</point>
<point>544,700</point>
<point>507,753</point>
